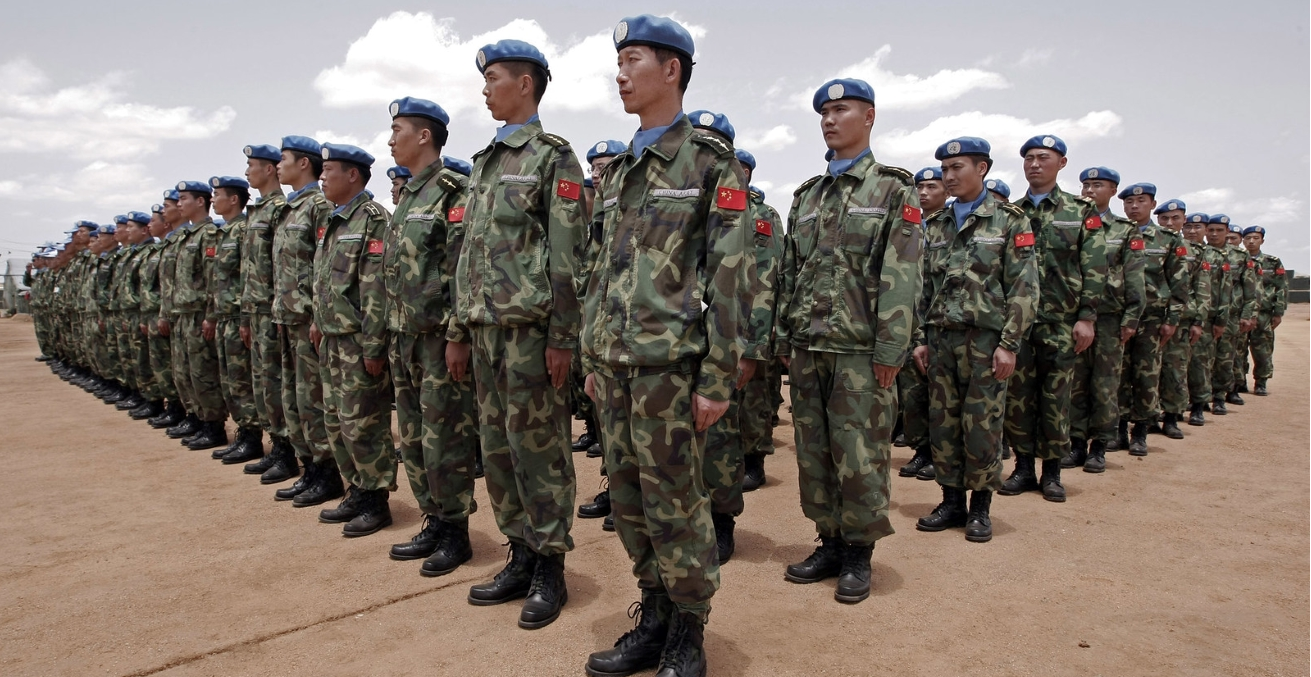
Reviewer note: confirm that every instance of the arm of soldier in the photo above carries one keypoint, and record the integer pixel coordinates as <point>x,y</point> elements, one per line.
<point>1251,295</point>
<point>728,248</point>
<point>565,232</point>
<point>1179,279</point>
<point>762,267</point>
<point>1281,294</point>
<point>787,279</point>
<point>1135,284</point>
<point>1201,299</point>
<point>900,283</point>
<point>458,348</point>
<point>1093,268</point>
<point>932,281</point>
<point>373,292</point>
<point>1020,283</point>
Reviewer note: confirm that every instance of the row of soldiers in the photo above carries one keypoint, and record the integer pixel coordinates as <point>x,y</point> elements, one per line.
<point>659,300</point>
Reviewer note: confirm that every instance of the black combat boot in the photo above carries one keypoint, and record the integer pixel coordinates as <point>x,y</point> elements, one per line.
<point>547,594</point>
<point>308,479</point>
<point>1233,398</point>
<point>608,524</point>
<point>1196,417</point>
<point>753,475</point>
<point>212,434</point>
<point>423,544</point>
<point>238,443</point>
<point>1138,439</point>
<point>1022,479</point>
<point>1170,426</point>
<point>374,514</point>
<point>284,466</point>
<point>1005,451</point>
<point>254,446</point>
<point>949,513</point>
<point>347,510</point>
<point>978,527</point>
<point>1260,388</point>
<point>117,393</point>
<point>1218,407</point>
<point>148,410</point>
<point>1096,462</point>
<point>188,427</point>
<point>171,416</point>
<point>328,487</point>
<point>452,550</point>
<point>1242,386</point>
<point>1052,489</point>
<point>259,467</point>
<point>825,562</point>
<point>928,473</point>
<point>599,507</point>
<point>917,462</point>
<point>853,579</point>
<point>640,648</point>
<point>511,583</point>
<point>899,433</point>
<point>587,439</point>
<point>1122,441</point>
<point>1077,455</point>
<point>132,401</point>
<point>595,451</point>
<point>724,524</point>
<point>684,654</point>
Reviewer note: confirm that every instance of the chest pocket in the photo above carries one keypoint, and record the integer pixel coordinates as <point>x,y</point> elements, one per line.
<point>861,227</point>
<point>514,198</point>
<point>803,233</point>
<point>345,256</point>
<point>986,249</point>
<point>668,213</point>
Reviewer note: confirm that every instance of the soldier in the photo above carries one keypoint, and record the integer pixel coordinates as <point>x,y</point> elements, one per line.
<point>912,383</point>
<point>157,293</point>
<point>850,282</point>
<point>169,317</point>
<point>399,177</point>
<point>133,344</point>
<point>666,298</point>
<point>110,271</point>
<point>1213,317</point>
<point>1072,261</point>
<point>999,190</point>
<point>515,292</point>
<point>1270,311</point>
<point>155,351</point>
<point>1243,301</point>
<point>1250,283</point>
<point>1176,353</point>
<point>1094,393</point>
<point>981,285</point>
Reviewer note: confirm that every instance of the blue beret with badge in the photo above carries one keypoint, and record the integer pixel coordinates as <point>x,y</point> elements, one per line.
<point>928,174</point>
<point>156,209</point>
<point>607,148</point>
<point>1198,217</point>
<point>457,165</point>
<point>1043,141</point>
<point>843,88</point>
<point>1103,173</point>
<point>342,152</point>
<point>704,119</point>
<point>1170,206</point>
<point>108,229</point>
<point>1254,229</point>
<point>999,187</point>
<point>228,182</point>
<point>510,50</point>
<point>263,151</point>
<point>399,172</point>
<point>1235,228</point>
<point>85,224</point>
<point>120,219</point>
<point>653,31</point>
<point>302,144</point>
<point>747,159</point>
<point>410,107</point>
<point>1138,189</point>
<point>1222,219</point>
<point>965,145</point>
<point>139,217</point>
<point>171,194</point>
<point>194,187</point>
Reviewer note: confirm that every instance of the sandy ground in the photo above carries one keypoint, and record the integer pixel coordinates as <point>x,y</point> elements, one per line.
<point>124,554</point>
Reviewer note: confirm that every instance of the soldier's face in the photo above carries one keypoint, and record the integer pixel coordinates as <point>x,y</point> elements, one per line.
<point>962,177</point>
<point>1139,208</point>
<point>1253,242</point>
<point>1195,232</point>
<point>396,185</point>
<point>1100,191</point>
<point>82,237</point>
<point>933,195</point>
<point>1041,165</point>
<point>171,212</point>
<point>503,92</point>
<point>290,169</point>
<point>226,203</point>
<point>122,234</point>
<point>1216,234</point>
<point>260,172</point>
<point>599,163</point>
<point>158,227</point>
<point>405,142</point>
<point>846,123</point>
<point>1173,220</point>
<point>643,80</point>
<point>1233,239</point>
<point>192,207</point>
<point>340,181</point>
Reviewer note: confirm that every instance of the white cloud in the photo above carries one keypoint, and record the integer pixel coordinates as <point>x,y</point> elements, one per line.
<point>1006,133</point>
<point>1262,211</point>
<point>1034,57</point>
<point>774,138</point>
<point>912,92</point>
<point>99,184</point>
<point>92,120</point>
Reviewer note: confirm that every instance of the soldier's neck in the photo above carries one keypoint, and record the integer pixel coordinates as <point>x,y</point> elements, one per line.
<point>660,113</point>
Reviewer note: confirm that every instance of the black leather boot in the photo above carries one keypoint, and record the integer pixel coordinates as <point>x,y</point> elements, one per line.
<point>132,401</point>
<point>917,462</point>
<point>212,434</point>
<point>115,394</point>
<point>1077,455</point>
<point>1260,389</point>
<point>724,524</point>
<point>511,583</point>
<point>374,514</point>
<point>258,467</point>
<point>238,443</point>
<point>978,527</point>
<point>1170,426</point>
<point>284,465</point>
<point>587,439</point>
<point>608,524</point>
<point>453,549</point>
<point>1096,462</point>
<point>1052,489</point>
<point>640,648</point>
<point>1123,438</point>
<point>1022,479</point>
<point>753,475</point>
<point>171,416</point>
<point>1196,417</point>
<point>188,427</point>
<point>1234,398</point>
<point>928,473</point>
<point>599,507</point>
<point>547,594</point>
<point>328,487</point>
<point>300,486</point>
<point>684,654</point>
<point>824,562</point>
<point>1218,407</point>
<point>423,544</point>
<point>949,513</point>
<point>347,510</point>
<point>1138,439</point>
<point>148,410</point>
<point>1242,386</point>
<point>254,446</point>
<point>853,579</point>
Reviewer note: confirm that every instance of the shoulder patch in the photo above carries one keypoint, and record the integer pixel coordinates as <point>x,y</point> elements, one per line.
<point>450,184</point>
<point>1009,208</point>
<point>554,140</point>
<point>373,209</point>
<point>721,148</point>
<point>905,176</point>
<point>1087,202</point>
<point>935,215</point>
<point>807,184</point>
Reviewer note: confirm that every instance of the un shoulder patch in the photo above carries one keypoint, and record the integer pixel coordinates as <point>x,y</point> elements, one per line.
<point>905,176</point>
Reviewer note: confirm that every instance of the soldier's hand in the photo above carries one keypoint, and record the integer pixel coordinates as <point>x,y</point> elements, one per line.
<point>1167,332</point>
<point>163,328</point>
<point>557,365</point>
<point>921,357</point>
<point>887,376</point>
<point>589,386</point>
<point>315,336</point>
<point>746,368</point>
<point>1194,334</point>
<point>457,359</point>
<point>1217,331</point>
<point>1003,363</point>
<point>1127,333</point>
<point>707,411</point>
<point>375,365</point>
<point>1275,320</point>
<point>1084,333</point>
<point>245,336</point>
<point>207,329</point>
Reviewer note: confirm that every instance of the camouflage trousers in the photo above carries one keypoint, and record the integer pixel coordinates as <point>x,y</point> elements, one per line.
<point>1095,390</point>
<point>524,425</point>
<point>438,427</point>
<point>1175,356</point>
<point>357,414</point>
<point>1261,341</point>
<point>107,346</point>
<point>776,369</point>
<point>125,331</point>
<point>722,464</point>
<point>1140,396</point>
<point>1222,369</point>
<point>161,362</point>
<point>843,424</point>
<point>177,345</point>
<point>1199,368</point>
<point>1038,393</point>
<point>653,455</point>
<point>302,394</point>
<point>266,374</point>
<point>141,357</point>
<point>758,408</point>
<point>202,369</point>
<point>913,394</point>
<point>966,405</point>
<point>579,403</point>
<point>234,372</point>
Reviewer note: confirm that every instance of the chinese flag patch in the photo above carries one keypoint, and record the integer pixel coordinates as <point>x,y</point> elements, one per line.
<point>910,214</point>
<point>729,198</point>
<point>210,252</point>
<point>1092,222</point>
<point>1260,271</point>
<point>764,227</point>
<point>568,189</point>
<point>455,214</point>
<point>1024,240</point>
<point>1279,271</point>
<point>375,246</point>
<point>1251,265</point>
<point>1206,266</point>
<point>1137,244</point>
<point>321,232</point>
<point>1181,251</point>
<point>1225,267</point>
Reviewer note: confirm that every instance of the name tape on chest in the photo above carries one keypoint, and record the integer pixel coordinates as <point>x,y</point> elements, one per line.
<point>991,240</point>
<point>519,178</point>
<point>609,202</point>
<point>675,193</point>
<point>355,237</point>
<point>866,211</point>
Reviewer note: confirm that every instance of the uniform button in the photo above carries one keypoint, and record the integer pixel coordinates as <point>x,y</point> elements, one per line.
<point>609,318</point>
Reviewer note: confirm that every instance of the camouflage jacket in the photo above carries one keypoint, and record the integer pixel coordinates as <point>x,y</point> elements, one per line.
<point>101,284</point>
<point>148,276</point>
<point>1166,274</point>
<point>1198,275</point>
<point>190,281</point>
<point>669,281</point>
<point>851,277</point>
<point>1216,265</point>
<point>1274,284</point>
<point>1245,290</point>
<point>1072,259</point>
<point>349,294</point>
<point>129,280</point>
<point>1125,263</point>
<point>263,217</point>
<point>294,244</point>
<point>524,234</point>
<point>225,284</point>
<point>768,239</point>
<point>981,274</point>
<point>168,260</point>
<point>422,245</point>
<point>122,259</point>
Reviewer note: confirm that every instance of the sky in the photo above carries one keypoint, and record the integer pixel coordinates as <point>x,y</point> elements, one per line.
<point>103,106</point>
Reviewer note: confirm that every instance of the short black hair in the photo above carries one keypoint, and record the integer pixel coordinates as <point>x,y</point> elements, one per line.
<point>539,75</point>
<point>976,159</point>
<point>437,129</point>
<point>684,65</point>
<point>365,174</point>
<point>316,161</point>
<point>243,194</point>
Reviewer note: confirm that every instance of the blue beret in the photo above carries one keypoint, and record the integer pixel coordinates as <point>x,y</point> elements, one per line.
<point>843,88</point>
<point>716,121</point>
<point>587,182</point>
<point>1254,229</point>
<point>1138,189</point>
<point>108,229</point>
<point>1235,228</point>
<point>1171,205</point>
<point>410,107</point>
<point>607,148</point>
<point>194,187</point>
<point>156,209</point>
<point>94,233</point>
<point>510,50</point>
<point>965,145</point>
<point>171,194</point>
<point>84,224</point>
<point>303,144</point>
<point>139,217</point>
<point>228,182</point>
<point>1197,217</point>
<point>653,31</point>
<point>747,159</point>
<point>341,152</point>
<point>928,174</point>
<point>399,172</point>
<point>120,219</point>
<point>999,187</point>
<point>1218,218</point>
<point>1103,173</point>
<point>1043,141</point>
<point>263,151</point>
<point>457,165</point>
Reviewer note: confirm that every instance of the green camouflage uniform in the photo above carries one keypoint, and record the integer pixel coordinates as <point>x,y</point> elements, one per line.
<point>1166,296</point>
<point>102,306</point>
<point>434,413</point>
<point>1216,314</point>
<point>159,353</point>
<point>177,341</point>
<point>123,307</point>
<point>1177,352</point>
<point>263,218</point>
<point>849,285</point>
<point>133,346</point>
<point>225,288</point>
<point>1273,303</point>
<point>1243,301</point>
<point>191,300</point>
<point>514,288</point>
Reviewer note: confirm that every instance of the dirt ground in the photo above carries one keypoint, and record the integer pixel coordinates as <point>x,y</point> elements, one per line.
<point>124,554</point>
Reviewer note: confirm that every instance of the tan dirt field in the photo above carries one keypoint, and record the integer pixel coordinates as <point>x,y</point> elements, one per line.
<point>125,554</point>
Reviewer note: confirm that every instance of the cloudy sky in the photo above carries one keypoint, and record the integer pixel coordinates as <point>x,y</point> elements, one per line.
<point>104,105</point>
